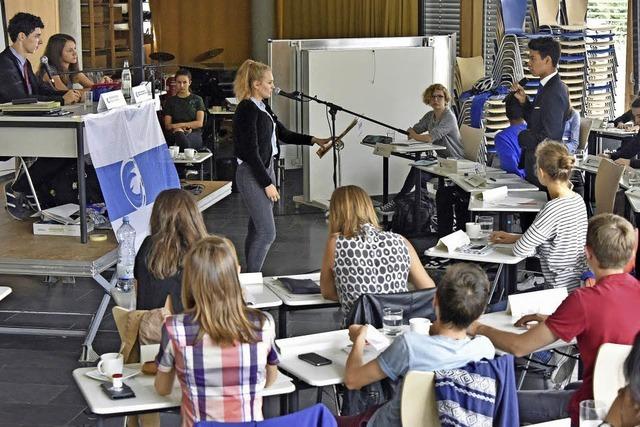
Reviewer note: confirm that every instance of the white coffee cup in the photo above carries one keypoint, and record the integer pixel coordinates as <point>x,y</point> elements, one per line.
<point>189,153</point>
<point>473,230</point>
<point>110,363</point>
<point>420,325</point>
<point>174,150</point>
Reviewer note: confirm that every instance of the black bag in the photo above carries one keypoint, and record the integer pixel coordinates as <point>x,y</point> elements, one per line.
<point>63,188</point>
<point>404,219</point>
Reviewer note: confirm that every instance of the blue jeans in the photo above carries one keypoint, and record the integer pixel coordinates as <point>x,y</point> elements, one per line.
<point>261,230</point>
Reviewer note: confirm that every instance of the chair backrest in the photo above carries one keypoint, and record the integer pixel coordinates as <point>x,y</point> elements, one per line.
<point>472,142</point>
<point>576,11</point>
<point>547,12</point>
<point>514,13</point>
<point>418,400</point>
<point>607,373</point>
<point>471,70</point>
<point>316,415</point>
<point>585,130</point>
<point>369,307</point>
<point>607,181</point>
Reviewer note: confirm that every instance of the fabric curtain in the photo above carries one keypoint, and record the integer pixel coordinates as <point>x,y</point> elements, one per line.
<point>303,19</point>
<point>188,28</point>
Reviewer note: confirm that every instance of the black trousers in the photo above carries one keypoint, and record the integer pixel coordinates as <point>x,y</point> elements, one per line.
<point>448,200</point>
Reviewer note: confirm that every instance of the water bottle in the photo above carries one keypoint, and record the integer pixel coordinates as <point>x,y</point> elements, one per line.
<point>124,293</point>
<point>126,80</point>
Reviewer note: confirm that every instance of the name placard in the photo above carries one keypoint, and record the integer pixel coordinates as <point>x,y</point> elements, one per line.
<point>140,94</point>
<point>110,100</point>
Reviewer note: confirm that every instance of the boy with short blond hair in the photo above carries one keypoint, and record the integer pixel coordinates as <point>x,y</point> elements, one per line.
<point>604,313</point>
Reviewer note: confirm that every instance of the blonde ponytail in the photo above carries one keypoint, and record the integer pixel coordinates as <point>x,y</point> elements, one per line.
<point>249,72</point>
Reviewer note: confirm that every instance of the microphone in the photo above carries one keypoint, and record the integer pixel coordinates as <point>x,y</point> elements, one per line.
<point>44,61</point>
<point>291,95</point>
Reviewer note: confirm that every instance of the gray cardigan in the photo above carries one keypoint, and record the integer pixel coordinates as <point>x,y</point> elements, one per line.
<point>444,132</point>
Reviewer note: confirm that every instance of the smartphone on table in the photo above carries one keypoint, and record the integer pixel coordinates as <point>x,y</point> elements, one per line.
<point>314,359</point>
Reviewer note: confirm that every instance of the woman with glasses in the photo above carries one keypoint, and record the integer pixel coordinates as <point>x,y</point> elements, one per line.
<point>438,126</point>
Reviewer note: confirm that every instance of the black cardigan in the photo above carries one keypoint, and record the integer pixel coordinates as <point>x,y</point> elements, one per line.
<point>13,85</point>
<point>252,130</point>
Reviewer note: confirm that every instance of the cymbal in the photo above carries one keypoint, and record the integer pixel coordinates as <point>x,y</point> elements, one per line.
<point>208,54</point>
<point>162,56</point>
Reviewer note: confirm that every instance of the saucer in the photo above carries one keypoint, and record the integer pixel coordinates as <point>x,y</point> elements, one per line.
<point>126,373</point>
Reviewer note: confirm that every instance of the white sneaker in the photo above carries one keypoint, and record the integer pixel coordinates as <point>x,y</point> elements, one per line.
<point>388,208</point>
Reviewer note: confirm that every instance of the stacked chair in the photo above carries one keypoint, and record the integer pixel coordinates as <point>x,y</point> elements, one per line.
<point>588,61</point>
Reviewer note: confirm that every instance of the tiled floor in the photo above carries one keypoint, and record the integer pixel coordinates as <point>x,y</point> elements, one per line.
<point>36,387</point>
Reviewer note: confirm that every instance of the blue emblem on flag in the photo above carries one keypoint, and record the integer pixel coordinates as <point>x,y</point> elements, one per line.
<point>133,184</point>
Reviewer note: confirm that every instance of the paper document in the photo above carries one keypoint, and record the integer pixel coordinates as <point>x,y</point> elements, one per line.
<point>540,302</point>
<point>509,202</point>
<point>63,214</point>
<point>453,241</point>
<point>494,194</point>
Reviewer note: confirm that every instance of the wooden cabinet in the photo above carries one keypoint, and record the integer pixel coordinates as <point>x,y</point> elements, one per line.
<point>106,33</point>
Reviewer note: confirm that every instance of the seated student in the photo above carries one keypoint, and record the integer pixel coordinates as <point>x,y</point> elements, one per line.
<point>558,232</point>
<point>625,410</point>
<point>63,58</point>
<point>221,350</point>
<point>18,81</point>
<point>184,114</point>
<point>606,312</point>
<point>360,258</point>
<point>627,151</point>
<point>506,141</point>
<point>460,299</point>
<point>438,126</point>
<point>571,134</point>
<point>176,224</point>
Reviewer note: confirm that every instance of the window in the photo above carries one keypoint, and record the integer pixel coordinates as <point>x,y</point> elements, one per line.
<point>442,17</point>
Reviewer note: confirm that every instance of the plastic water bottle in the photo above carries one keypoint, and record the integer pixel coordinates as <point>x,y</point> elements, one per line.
<point>124,292</point>
<point>126,80</point>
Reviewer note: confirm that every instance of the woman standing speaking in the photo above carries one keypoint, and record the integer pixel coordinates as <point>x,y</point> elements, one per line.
<point>256,136</point>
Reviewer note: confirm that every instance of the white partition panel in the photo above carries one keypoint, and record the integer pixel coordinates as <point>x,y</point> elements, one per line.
<point>383,83</point>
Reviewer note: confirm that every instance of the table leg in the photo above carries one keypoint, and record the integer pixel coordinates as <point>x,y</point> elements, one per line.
<point>99,421</point>
<point>319,394</point>
<point>282,321</point>
<point>494,285</point>
<point>82,191</point>
<point>293,401</point>
<point>385,180</point>
<point>88,354</point>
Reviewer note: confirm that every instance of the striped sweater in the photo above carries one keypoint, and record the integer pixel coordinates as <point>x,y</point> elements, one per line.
<point>557,237</point>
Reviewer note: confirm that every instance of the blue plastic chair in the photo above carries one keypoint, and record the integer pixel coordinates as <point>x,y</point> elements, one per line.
<point>316,415</point>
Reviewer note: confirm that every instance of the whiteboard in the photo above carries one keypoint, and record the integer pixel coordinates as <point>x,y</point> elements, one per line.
<point>384,84</point>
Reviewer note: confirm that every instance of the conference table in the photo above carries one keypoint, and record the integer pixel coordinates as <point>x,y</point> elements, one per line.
<point>50,136</point>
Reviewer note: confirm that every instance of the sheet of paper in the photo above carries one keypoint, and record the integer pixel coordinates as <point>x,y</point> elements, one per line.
<point>247,279</point>
<point>453,241</point>
<point>542,302</point>
<point>510,201</point>
<point>494,194</point>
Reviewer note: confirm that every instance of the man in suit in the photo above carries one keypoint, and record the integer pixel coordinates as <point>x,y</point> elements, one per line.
<point>547,113</point>
<point>17,80</point>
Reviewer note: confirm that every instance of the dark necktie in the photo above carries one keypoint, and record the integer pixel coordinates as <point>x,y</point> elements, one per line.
<point>25,74</point>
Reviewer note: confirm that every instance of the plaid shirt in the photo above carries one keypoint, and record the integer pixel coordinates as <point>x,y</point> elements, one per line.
<point>218,384</point>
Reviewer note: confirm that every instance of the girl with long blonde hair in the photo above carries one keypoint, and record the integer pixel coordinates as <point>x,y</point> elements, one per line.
<point>221,350</point>
<point>360,258</point>
<point>256,135</point>
<point>176,224</point>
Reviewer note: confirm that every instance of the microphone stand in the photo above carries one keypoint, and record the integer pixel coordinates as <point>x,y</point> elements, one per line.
<point>333,111</point>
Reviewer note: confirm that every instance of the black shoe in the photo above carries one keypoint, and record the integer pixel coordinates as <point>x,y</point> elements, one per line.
<point>16,203</point>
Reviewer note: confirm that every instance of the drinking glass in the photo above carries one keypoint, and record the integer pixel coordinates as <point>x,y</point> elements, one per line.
<point>486,225</point>
<point>88,100</point>
<point>391,134</point>
<point>580,156</point>
<point>592,412</point>
<point>391,321</point>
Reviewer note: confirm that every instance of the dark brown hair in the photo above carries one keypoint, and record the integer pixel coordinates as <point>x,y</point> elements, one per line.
<point>462,294</point>
<point>53,52</point>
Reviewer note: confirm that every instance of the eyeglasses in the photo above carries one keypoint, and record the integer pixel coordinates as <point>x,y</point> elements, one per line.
<point>437,96</point>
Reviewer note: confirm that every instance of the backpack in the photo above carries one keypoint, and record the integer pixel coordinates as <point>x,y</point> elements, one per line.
<point>404,221</point>
<point>63,188</point>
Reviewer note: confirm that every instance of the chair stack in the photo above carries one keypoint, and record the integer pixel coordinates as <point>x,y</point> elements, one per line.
<point>600,71</point>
